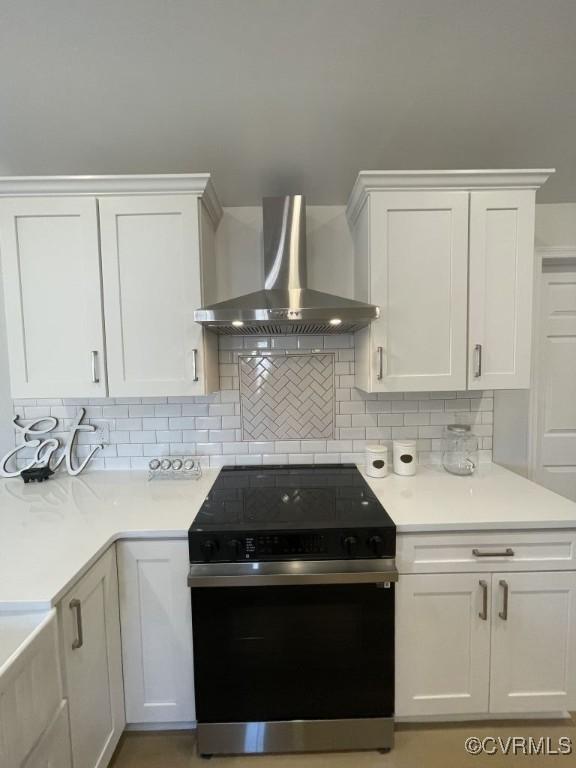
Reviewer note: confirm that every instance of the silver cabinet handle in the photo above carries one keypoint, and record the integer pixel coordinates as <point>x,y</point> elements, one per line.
<point>380,362</point>
<point>504,612</point>
<point>76,605</point>
<point>95,377</point>
<point>194,365</point>
<point>484,612</point>
<point>477,361</point>
<point>506,553</point>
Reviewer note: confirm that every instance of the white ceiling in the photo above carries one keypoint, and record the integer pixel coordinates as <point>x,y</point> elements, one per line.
<point>288,95</point>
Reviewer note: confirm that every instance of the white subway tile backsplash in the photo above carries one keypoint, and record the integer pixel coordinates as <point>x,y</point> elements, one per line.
<point>196,409</point>
<point>155,423</point>
<point>142,437</point>
<point>115,411</point>
<point>136,429</point>
<point>208,422</point>
<point>182,422</point>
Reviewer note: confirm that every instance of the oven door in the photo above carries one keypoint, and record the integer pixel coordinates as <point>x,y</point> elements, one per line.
<point>294,650</point>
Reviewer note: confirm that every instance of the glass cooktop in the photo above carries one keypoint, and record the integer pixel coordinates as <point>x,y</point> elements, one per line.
<point>307,496</point>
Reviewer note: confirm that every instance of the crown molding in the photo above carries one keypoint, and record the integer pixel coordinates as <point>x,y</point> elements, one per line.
<point>199,184</point>
<point>372,181</point>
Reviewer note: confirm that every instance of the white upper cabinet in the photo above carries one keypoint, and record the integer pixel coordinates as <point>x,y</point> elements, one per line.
<point>449,259</point>
<point>53,298</point>
<point>501,289</point>
<point>151,265</point>
<point>417,275</point>
<point>101,278</point>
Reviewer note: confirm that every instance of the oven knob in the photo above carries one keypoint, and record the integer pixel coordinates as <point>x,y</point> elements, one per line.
<point>235,549</point>
<point>350,543</point>
<point>208,548</point>
<point>376,545</point>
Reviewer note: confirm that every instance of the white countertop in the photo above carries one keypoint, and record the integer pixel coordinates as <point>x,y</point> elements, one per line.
<point>493,498</point>
<point>51,533</point>
<point>16,631</point>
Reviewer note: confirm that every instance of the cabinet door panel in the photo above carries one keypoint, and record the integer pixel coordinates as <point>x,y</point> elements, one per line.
<point>152,285</point>
<point>155,611</point>
<point>94,670</point>
<point>51,274</point>
<point>442,645</point>
<point>53,749</point>
<point>501,289</point>
<point>534,648</point>
<point>419,244</point>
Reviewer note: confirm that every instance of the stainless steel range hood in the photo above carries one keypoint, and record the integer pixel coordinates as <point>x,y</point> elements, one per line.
<point>286,305</point>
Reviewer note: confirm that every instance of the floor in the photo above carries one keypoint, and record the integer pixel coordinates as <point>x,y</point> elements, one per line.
<point>433,746</point>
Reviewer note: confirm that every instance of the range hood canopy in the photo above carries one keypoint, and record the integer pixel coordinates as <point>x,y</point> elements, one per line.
<point>286,305</point>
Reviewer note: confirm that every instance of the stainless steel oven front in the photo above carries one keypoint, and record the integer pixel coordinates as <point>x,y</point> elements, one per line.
<point>293,656</point>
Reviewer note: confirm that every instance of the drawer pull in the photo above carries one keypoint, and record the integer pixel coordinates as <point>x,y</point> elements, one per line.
<point>508,552</point>
<point>504,612</point>
<point>484,612</point>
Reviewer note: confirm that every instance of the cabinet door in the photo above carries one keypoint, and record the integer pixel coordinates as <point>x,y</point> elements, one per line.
<point>92,661</point>
<point>418,275</point>
<point>501,289</point>
<point>533,642</point>
<point>53,749</point>
<point>442,644</point>
<point>53,299</point>
<point>156,631</point>
<point>152,285</point>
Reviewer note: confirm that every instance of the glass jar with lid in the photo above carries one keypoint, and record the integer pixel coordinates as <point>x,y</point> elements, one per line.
<point>459,449</point>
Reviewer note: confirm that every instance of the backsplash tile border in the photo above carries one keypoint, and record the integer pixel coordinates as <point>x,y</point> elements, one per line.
<point>136,429</point>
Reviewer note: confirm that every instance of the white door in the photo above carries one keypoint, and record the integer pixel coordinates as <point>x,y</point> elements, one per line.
<point>533,642</point>
<point>501,289</point>
<point>152,285</point>
<point>419,269</point>
<point>442,644</point>
<point>156,631</point>
<point>555,454</point>
<point>93,666</point>
<point>53,299</point>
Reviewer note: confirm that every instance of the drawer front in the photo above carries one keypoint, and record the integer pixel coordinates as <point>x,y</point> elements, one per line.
<point>30,695</point>
<point>490,551</point>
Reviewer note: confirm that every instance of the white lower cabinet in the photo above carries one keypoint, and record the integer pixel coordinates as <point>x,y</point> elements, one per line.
<point>155,609</point>
<point>442,644</point>
<point>477,643</point>
<point>533,659</point>
<point>91,649</point>
<point>53,749</point>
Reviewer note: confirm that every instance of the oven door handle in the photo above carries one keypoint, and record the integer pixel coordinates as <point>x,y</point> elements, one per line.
<point>295,572</point>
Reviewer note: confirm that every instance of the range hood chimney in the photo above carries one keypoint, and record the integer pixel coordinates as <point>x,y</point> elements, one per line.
<point>286,305</point>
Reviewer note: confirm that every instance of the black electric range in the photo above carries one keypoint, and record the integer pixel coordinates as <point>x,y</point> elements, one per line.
<point>319,512</point>
<point>292,578</point>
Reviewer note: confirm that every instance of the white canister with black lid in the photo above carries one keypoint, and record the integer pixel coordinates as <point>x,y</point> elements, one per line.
<point>376,460</point>
<point>404,457</point>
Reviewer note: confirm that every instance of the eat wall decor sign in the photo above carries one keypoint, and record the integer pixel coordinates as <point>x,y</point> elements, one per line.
<point>48,450</point>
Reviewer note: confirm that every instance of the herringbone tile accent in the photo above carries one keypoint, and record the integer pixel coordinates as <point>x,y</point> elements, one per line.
<point>287,397</point>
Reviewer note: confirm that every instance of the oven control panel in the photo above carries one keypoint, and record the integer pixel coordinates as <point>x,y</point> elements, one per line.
<point>284,544</point>
<point>298,545</point>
